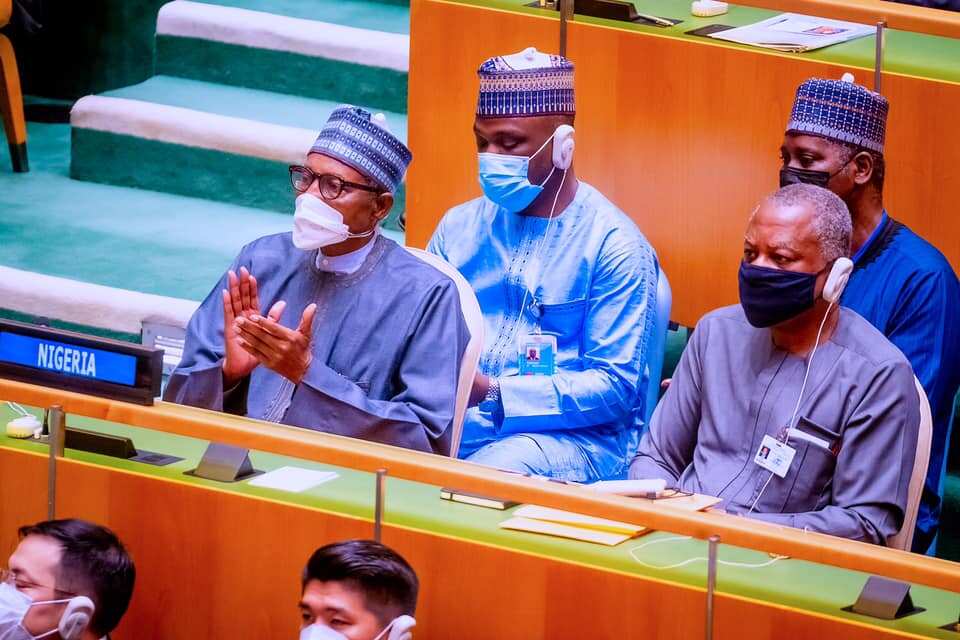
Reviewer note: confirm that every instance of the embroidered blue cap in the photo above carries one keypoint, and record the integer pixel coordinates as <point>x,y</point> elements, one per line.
<point>840,110</point>
<point>528,83</point>
<point>362,141</point>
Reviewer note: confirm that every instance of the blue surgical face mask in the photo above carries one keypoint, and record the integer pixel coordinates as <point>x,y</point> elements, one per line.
<point>505,180</point>
<point>771,296</point>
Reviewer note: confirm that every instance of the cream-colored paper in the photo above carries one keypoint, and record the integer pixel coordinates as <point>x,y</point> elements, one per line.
<point>565,531</point>
<point>696,502</point>
<point>546,514</point>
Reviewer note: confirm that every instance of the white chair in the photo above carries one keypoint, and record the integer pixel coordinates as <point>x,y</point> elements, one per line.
<point>658,347</point>
<point>904,538</point>
<point>471,357</point>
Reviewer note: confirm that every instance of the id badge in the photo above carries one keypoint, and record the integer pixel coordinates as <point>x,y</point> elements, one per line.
<point>775,456</point>
<point>538,355</point>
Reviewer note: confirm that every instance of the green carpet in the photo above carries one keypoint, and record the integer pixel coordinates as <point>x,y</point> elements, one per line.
<point>85,47</point>
<point>381,15</point>
<point>239,102</point>
<point>282,71</point>
<point>138,162</point>
<point>128,238</point>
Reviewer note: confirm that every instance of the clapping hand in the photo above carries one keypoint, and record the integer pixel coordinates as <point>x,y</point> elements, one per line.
<point>240,300</point>
<point>285,351</point>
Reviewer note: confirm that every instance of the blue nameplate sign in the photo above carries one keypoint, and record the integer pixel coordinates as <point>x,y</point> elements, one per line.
<point>67,358</point>
<point>70,361</point>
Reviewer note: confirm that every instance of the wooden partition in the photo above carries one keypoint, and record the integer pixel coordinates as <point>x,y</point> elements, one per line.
<point>442,471</point>
<point>212,564</point>
<point>681,133</point>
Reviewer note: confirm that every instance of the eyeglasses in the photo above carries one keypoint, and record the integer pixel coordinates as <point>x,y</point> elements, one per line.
<point>331,186</point>
<point>9,577</point>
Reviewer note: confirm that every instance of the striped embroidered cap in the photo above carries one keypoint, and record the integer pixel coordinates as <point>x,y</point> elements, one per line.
<point>840,110</point>
<point>362,141</point>
<point>523,84</point>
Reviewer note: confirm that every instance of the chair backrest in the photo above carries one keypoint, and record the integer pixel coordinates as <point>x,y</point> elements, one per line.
<point>471,357</point>
<point>904,538</point>
<point>932,549</point>
<point>6,9</point>
<point>658,345</point>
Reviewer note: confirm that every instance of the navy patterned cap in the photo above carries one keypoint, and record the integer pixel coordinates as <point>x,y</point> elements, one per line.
<point>840,110</point>
<point>363,142</point>
<point>522,84</point>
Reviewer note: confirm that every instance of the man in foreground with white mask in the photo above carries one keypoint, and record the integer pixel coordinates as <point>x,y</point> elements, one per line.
<point>361,338</point>
<point>66,580</point>
<point>566,282</point>
<point>358,590</point>
<point>794,410</point>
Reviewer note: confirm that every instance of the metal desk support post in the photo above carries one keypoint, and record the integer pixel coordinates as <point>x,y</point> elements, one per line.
<point>566,14</point>
<point>878,57</point>
<point>58,426</point>
<point>378,507</point>
<point>712,543</point>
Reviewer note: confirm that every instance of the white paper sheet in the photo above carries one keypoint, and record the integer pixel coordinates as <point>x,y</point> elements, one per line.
<point>795,33</point>
<point>292,479</point>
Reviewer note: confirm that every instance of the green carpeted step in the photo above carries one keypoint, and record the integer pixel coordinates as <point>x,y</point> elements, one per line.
<point>199,139</point>
<point>113,236</point>
<point>126,239</point>
<point>381,15</point>
<point>299,55</point>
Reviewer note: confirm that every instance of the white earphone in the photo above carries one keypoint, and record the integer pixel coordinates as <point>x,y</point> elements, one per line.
<point>76,618</point>
<point>837,280</point>
<point>401,628</point>
<point>563,146</point>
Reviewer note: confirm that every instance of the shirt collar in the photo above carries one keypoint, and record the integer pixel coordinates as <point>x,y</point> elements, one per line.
<point>873,237</point>
<point>348,262</point>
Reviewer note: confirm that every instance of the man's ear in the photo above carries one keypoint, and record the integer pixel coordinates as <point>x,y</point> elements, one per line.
<point>863,167</point>
<point>382,205</point>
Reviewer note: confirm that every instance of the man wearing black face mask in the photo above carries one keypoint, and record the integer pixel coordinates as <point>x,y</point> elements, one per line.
<point>793,410</point>
<point>901,284</point>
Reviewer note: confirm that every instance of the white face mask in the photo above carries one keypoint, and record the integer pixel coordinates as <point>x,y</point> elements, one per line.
<point>13,608</point>
<point>316,224</point>
<point>320,632</point>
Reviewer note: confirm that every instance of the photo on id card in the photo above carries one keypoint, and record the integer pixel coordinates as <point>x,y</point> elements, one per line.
<point>537,353</point>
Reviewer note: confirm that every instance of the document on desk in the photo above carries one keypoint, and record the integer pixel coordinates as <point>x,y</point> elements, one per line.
<point>688,502</point>
<point>292,479</point>
<point>576,526</point>
<point>795,33</point>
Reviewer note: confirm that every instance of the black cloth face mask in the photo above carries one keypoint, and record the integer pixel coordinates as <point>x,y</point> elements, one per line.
<point>770,296</point>
<point>792,175</point>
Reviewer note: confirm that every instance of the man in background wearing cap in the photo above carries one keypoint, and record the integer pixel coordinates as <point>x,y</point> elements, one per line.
<point>372,342</point>
<point>901,284</point>
<point>566,282</point>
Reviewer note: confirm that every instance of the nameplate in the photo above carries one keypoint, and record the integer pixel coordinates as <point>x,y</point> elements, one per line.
<point>72,361</point>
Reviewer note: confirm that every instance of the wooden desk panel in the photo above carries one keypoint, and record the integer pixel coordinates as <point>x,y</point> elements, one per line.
<point>212,563</point>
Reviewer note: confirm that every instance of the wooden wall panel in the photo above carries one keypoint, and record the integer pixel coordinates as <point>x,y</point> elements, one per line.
<point>683,135</point>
